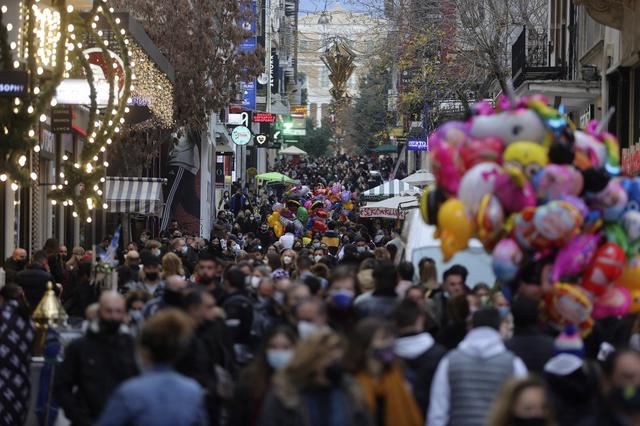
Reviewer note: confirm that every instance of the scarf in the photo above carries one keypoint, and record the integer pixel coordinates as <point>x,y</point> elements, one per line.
<point>400,409</point>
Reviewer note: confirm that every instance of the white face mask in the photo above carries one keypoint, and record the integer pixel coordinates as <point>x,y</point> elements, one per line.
<point>307,328</point>
<point>255,281</point>
<point>278,358</point>
<point>287,260</point>
<point>317,257</point>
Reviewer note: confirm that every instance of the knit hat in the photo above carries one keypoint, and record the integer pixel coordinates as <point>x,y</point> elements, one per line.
<point>569,342</point>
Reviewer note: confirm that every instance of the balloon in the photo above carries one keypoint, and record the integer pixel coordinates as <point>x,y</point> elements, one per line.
<point>278,229</point>
<point>293,205</point>
<point>578,203</point>
<point>510,126</point>
<point>614,302</point>
<point>322,214</point>
<point>304,190</point>
<point>273,218</point>
<point>514,191</point>
<point>556,181</point>
<point>575,256</point>
<point>635,301</point>
<point>568,304</point>
<point>307,205</point>
<point>489,220</point>
<point>506,261</point>
<point>320,226</point>
<point>550,225</point>
<point>346,196</point>
<point>630,277</point>
<point>287,214</point>
<point>447,165</point>
<point>477,182</point>
<point>529,157</point>
<point>632,187</point>
<point>476,151</point>
<point>336,188</point>
<point>615,234</point>
<point>348,205</point>
<point>303,214</point>
<point>299,227</point>
<point>612,200</point>
<point>590,149</point>
<point>277,207</point>
<point>455,227</point>
<point>606,267</point>
<point>306,241</point>
<point>631,225</point>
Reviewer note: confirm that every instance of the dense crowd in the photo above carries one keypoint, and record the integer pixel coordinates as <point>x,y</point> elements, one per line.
<point>331,328</point>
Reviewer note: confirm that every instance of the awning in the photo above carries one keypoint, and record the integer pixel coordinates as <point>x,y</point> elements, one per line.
<point>392,208</point>
<point>134,195</point>
<point>420,178</point>
<point>575,96</point>
<point>390,189</point>
<point>275,177</point>
<point>292,150</point>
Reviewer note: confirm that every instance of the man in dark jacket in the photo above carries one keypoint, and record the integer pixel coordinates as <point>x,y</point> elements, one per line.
<point>528,342</point>
<point>34,279</point>
<point>417,348</point>
<point>454,284</point>
<point>384,298</point>
<point>15,264</point>
<point>95,364</point>
<point>239,309</point>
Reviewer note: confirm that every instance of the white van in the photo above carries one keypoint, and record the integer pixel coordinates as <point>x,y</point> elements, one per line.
<point>418,242</point>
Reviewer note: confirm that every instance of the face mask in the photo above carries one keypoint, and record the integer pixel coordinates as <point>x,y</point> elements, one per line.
<point>136,315</point>
<point>255,281</point>
<point>152,276</point>
<point>306,329</point>
<point>386,355</point>
<point>279,297</point>
<point>334,373</point>
<point>504,311</point>
<point>185,249</point>
<point>342,298</point>
<point>109,326</point>
<point>484,300</point>
<point>361,249</point>
<point>172,298</point>
<point>627,398</point>
<point>287,260</point>
<point>156,252</point>
<point>528,421</point>
<point>278,358</point>
<point>317,258</point>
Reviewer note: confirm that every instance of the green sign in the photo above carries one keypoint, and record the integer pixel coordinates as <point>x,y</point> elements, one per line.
<point>294,132</point>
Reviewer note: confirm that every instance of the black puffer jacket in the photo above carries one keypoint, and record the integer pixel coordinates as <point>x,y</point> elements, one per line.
<point>94,365</point>
<point>33,281</point>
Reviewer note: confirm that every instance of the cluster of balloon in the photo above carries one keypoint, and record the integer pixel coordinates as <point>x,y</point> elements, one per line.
<point>523,180</point>
<point>306,211</point>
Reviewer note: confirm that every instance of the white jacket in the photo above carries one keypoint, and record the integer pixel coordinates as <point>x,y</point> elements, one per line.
<point>481,342</point>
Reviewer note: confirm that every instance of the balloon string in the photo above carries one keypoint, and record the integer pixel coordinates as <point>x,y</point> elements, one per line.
<point>605,120</point>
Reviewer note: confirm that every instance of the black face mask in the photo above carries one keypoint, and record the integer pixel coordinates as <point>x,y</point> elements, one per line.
<point>20,264</point>
<point>334,373</point>
<point>528,421</point>
<point>626,398</point>
<point>152,276</point>
<point>172,298</point>
<point>109,326</point>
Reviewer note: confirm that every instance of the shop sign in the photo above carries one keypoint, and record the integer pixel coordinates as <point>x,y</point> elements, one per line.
<point>294,132</point>
<point>264,117</point>
<point>262,141</point>
<point>61,119</point>
<point>239,119</point>
<point>47,143</point>
<point>13,83</point>
<point>299,109</point>
<point>241,135</point>
<point>416,144</point>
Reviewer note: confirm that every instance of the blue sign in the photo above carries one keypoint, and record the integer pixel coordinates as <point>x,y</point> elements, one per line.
<point>415,144</point>
<point>249,95</point>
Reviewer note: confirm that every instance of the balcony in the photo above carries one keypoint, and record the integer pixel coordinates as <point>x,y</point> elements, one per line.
<point>530,60</point>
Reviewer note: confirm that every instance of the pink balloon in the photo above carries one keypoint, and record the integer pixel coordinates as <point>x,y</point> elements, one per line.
<point>447,165</point>
<point>556,181</point>
<point>514,196</point>
<point>575,256</point>
<point>614,302</point>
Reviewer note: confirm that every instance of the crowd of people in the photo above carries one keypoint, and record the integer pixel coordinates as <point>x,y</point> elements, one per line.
<point>247,328</point>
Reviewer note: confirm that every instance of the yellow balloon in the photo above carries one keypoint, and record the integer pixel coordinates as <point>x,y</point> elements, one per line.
<point>631,275</point>
<point>278,229</point>
<point>306,241</point>
<point>530,157</point>
<point>455,227</point>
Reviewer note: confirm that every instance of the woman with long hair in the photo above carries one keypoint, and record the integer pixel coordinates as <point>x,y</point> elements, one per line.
<point>521,402</point>
<point>171,265</point>
<point>373,362</point>
<point>255,379</point>
<point>288,260</point>
<point>313,388</point>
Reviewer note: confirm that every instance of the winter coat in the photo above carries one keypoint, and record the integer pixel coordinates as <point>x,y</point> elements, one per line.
<point>93,367</point>
<point>532,346</point>
<point>33,281</point>
<point>377,306</point>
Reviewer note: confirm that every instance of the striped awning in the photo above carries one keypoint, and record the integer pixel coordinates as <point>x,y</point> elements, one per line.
<point>390,189</point>
<point>134,195</point>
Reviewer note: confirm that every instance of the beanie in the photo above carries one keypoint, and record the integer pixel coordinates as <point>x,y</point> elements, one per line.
<point>569,342</point>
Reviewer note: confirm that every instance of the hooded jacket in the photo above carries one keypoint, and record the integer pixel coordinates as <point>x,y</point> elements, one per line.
<point>481,352</point>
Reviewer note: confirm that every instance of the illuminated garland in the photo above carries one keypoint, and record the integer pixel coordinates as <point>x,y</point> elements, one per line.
<point>153,86</point>
<point>82,186</point>
<point>19,116</point>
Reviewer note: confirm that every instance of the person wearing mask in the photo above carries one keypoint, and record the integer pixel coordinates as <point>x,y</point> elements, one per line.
<point>313,388</point>
<point>130,270</point>
<point>288,238</point>
<point>239,310</point>
<point>350,256</point>
<point>620,386</point>
<point>172,265</point>
<point>255,379</point>
<point>417,349</point>
<point>14,264</point>
<point>160,396</point>
<point>208,275</point>
<point>186,253</point>
<point>310,316</point>
<point>52,249</point>
<point>522,402</point>
<point>17,334</point>
<point>224,201</point>
<point>135,302</point>
<point>34,278</point>
<point>236,204</point>
<point>405,273</point>
<point>384,298</point>
<point>454,284</point>
<point>103,245</point>
<point>171,297</point>
<point>80,293</point>
<point>340,299</point>
<point>288,261</point>
<point>265,235</point>
<point>528,342</point>
<point>77,254</point>
<point>372,361</point>
<point>469,377</point>
<point>96,364</point>
<point>149,279</point>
